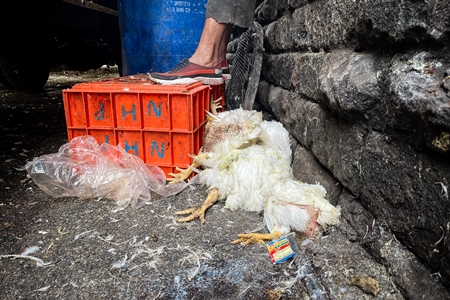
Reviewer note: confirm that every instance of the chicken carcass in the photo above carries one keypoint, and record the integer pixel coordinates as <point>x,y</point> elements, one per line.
<point>247,162</point>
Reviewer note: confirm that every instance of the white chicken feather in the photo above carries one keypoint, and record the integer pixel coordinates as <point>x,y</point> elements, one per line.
<point>247,163</point>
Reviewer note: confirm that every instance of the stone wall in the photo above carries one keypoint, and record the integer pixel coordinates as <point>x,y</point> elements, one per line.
<point>364,89</point>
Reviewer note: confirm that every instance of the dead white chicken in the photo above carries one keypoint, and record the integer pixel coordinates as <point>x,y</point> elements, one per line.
<point>247,162</point>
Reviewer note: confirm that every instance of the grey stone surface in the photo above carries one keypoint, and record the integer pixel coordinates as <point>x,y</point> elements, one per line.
<point>297,72</point>
<point>439,15</point>
<point>269,10</point>
<point>388,22</point>
<point>406,270</point>
<point>402,189</point>
<point>355,24</point>
<point>364,89</point>
<point>406,92</point>
<point>418,93</point>
<point>351,85</point>
<point>320,24</point>
<point>306,169</point>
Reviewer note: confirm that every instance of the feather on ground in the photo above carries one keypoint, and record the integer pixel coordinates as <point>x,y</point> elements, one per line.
<point>247,162</point>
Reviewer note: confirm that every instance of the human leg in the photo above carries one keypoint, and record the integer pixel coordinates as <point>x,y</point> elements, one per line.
<point>209,60</point>
<point>211,48</point>
<point>205,64</point>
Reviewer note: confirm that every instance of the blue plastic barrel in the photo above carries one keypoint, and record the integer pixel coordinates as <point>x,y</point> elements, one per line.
<point>157,34</point>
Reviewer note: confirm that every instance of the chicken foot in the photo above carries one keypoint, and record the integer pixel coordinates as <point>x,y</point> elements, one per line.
<point>199,212</point>
<point>185,173</point>
<point>253,238</point>
<point>215,105</point>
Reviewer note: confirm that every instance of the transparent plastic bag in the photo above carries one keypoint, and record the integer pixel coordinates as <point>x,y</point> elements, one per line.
<point>82,168</point>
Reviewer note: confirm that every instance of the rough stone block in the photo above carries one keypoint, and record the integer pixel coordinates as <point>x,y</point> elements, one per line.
<point>278,69</point>
<point>390,22</point>
<point>298,72</point>
<point>306,169</point>
<point>320,24</point>
<point>404,188</point>
<point>298,3</point>
<point>439,15</point>
<point>351,84</point>
<point>269,10</point>
<point>357,24</point>
<point>416,82</point>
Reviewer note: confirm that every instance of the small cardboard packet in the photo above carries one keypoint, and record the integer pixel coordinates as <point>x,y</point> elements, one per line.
<point>282,249</point>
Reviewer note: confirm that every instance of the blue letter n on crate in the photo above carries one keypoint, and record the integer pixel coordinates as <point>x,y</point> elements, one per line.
<point>157,110</point>
<point>155,146</point>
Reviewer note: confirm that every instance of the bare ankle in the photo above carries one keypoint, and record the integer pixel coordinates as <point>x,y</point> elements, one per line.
<point>203,62</point>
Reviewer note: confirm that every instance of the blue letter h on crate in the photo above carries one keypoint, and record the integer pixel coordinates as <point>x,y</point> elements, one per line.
<point>132,112</point>
<point>132,147</point>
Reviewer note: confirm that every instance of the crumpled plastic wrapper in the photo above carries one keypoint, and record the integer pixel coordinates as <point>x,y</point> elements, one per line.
<point>82,168</point>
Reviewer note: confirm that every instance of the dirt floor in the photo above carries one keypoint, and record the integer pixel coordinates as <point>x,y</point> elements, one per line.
<point>86,250</point>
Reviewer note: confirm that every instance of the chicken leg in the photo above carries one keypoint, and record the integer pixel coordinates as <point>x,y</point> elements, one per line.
<point>199,212</point>
<point>311,229</point>
<point>253,238</point>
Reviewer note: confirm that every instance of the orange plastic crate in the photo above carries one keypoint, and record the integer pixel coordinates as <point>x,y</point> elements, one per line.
<point>162,124</point>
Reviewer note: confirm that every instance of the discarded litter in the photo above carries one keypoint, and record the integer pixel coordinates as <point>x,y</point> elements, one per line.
<point>82,168</point>
<point>282,249</point>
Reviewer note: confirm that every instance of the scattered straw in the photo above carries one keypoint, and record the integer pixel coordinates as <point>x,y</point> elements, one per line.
<point>39,262</point>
